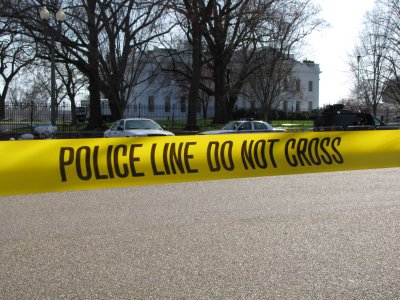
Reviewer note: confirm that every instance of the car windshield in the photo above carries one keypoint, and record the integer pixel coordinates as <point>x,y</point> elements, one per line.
<point>232,126</point>
<point>141,124</point>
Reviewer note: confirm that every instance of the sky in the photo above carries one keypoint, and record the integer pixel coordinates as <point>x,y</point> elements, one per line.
<point>332,46</point>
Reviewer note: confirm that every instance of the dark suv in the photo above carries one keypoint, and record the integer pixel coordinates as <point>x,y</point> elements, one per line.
<point>337,117</point>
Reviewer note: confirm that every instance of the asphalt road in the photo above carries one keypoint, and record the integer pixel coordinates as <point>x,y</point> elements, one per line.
<point>312,236</point>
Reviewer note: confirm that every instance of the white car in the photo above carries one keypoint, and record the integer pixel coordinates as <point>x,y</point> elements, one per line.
<point>244,126</point>
<point>135,127</point>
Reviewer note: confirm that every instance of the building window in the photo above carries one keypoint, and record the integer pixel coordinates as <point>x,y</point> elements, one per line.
<point>151,104</point>
<point>298,85</point>
<point>285,105</point>
<point>183,104</point>
<point>310,108</point>
<point>286,84</point>
<point>167,104</point>
<point>310,86</point>
<point>298,106</point>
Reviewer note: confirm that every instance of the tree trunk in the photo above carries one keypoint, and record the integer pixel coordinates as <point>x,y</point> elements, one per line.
<point>220,116</point>
<point>74,120</point>
<point>230,104</point>
<point>3,100</point>
<point>191,123</point>
<point>2,107</point>
<point>95,120</point>
<point>116,106</point>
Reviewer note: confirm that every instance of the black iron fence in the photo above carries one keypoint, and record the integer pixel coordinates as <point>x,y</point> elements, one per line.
<point>24,117</point>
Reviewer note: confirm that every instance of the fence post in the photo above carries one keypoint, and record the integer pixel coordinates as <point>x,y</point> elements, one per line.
<point>31,115</point>
<point>173,116</point>
<point>63,116</point>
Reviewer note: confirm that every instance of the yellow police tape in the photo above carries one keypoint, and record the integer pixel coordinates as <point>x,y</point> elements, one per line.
<point>61,165</point>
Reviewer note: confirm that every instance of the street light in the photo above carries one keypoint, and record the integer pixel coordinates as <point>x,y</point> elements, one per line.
<point>358,82</point>
<point>44,15</point>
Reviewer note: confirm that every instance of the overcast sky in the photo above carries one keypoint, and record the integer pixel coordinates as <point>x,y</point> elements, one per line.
<point>331,47</point>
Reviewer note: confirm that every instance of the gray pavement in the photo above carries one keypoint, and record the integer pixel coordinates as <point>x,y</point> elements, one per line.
<point>312,236</point>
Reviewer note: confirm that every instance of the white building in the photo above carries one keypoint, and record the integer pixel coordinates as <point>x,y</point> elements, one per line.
<point>306,97</point>
<point>163,97</point>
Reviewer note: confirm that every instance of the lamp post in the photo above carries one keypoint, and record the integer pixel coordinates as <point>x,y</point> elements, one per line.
<point>59,17</point>
<point>358,82</point>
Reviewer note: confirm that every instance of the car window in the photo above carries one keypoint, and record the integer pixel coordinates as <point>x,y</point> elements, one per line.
<point>132,124</point>
<point>260,126</point>
<point>114,126</point>
<point>378,122</point>
<point>149,124</point>
<point>141,124</point>
<point>245,126</point>
<point>231,126</point>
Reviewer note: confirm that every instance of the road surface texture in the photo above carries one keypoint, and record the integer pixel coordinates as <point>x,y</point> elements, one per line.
<point>312,236</point>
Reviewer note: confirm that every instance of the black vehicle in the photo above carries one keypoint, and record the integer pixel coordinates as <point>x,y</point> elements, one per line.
<point>337,117</point>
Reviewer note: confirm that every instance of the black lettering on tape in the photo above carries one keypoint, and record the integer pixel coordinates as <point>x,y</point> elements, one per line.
<point>302,151</point>
<point>213,164</point>
<point>153,161</point>
<point>227,163</point>
<point>222,156</point>
<point>96,164</point>
<point>84,152</point>
<point>165,159</point>
<point>175,159</point>
<point>291,159</point>
<point>338,157</point>
<point>325,157</point>
<point>66,158</point>
<point>133,159</point>
<point>259,153</point>
<point>271,151</point>
<point>109,161</point>
<point>188,157</point>
<point>247,155</point>
<point>124,172</point>
<point>313,152</point>
<point>87,162</point>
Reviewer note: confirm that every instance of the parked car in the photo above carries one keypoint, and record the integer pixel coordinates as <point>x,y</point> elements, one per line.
<point>135,127</point>
<point>244,126</point>
<point>395,119</point>
<point>44,131</point>
<point>39,132</point>
<point>337,117</point>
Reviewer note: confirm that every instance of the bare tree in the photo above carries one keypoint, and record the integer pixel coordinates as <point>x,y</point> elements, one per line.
<point>371,62</point>
<point>15,54</point>
<point>74,82</point>
<point>390,14</point>
<point>130,29</point>
<point>186,57</point>
<point>101,38</point>
<point>273,80</point>
<point>282,35</point>
<point>194,34</point>
<point>233,34</point>
<point>228,25</point>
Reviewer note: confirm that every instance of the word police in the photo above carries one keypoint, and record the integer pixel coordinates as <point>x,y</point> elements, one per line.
<point>138,160</point>
<point>122,160</point>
